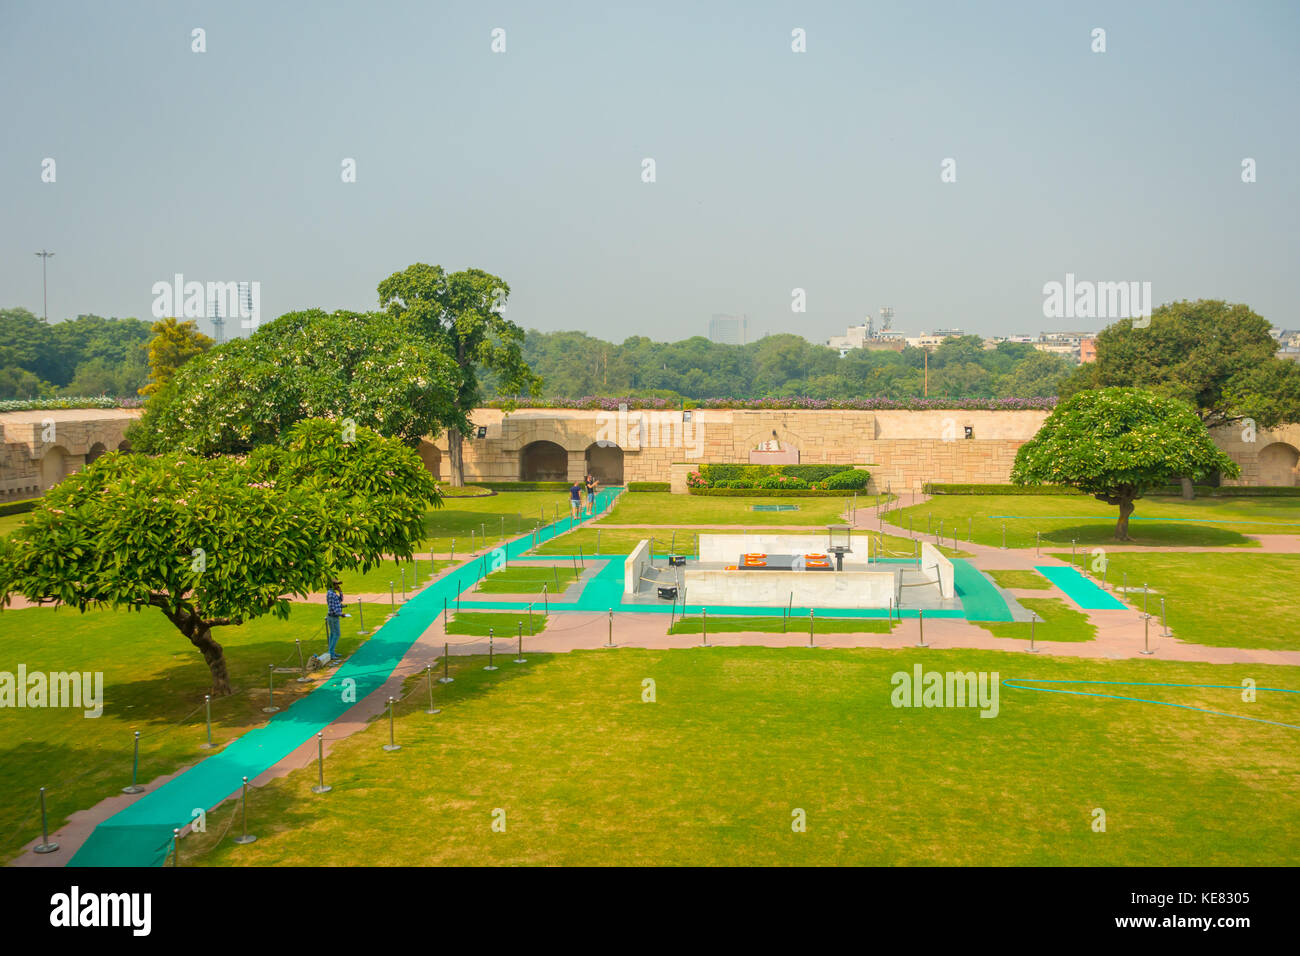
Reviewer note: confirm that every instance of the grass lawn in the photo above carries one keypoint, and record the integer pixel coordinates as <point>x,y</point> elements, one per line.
<point>1057,621</point>
<point>662,507</point>
<point>521,510</point>
<point>1222,600</point>
<point>10,523</point>
<point>1061,518</point>
<point>1021,579</point>
<point>773,625</point>
<point>504,625</point>
<point>465,491</point>
<point>583,772</point>
<point>527,579</point>
<point>154,682</point>
<point>375,581</point>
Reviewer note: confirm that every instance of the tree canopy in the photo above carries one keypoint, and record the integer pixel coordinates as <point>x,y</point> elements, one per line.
<point>173,344</point>
<point>461,313</point>
<point>220,541</point>
<point>247,392</point>
<point>1116,444</point>
<point>1218,357</point>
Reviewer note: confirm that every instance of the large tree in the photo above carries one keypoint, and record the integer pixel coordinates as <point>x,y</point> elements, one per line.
<point>1217,356</point>
<point>217,542</point>
<point>173,344</point>
<point>1116,444</point>
<point>461,312</point>
<point>1207,353</point>
<point>308,364</point>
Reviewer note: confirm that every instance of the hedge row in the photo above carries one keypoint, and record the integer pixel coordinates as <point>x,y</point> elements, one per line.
<point>649,486</point>
<point>41,404</point>
<point>526,485</point>
<point>18,507</point>
<point>941,489</point>
<point>1253,491</point>
<point>767,492</point>
<point>738,472</point>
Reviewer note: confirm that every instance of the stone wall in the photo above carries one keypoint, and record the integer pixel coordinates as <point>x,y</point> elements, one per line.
<point>38,449</point>
<point>1267,456</point>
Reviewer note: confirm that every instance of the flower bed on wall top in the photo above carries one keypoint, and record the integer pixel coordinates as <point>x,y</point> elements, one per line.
<point>811,404</point>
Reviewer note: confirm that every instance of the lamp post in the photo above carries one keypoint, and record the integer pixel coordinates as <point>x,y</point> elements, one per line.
<point>45,295</point>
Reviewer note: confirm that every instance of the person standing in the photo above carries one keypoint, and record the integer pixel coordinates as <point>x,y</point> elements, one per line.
<point>333,612</point>
<point>591,493</point>
<point>575,499</point>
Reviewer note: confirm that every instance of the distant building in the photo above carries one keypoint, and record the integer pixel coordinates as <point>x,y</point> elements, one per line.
<point>729,329</point>
<point>930,340</point>
<point>866,336</point>
<point>1088,350</point>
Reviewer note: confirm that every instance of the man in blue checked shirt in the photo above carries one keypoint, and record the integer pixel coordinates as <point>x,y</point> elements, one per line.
<point>334,611</point>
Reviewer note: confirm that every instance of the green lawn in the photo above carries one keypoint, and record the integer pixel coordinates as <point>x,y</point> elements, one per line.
<point>504,625</point>
<point>154,682</point>
<point>10,523</point>
<point>468,520</point>
<point>1057,621</point>
<point>1021,579</point>
<point>376,580</point>
<point>1061,518</point>
<point>661,507</point>
<point>738,740</point>
<point>774,625</point>
<point>1222,600</point>
<point>465,491</point>
<point>527,579</point>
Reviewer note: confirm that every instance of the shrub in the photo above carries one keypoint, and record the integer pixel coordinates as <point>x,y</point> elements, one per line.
<point>18,507</point>
<point>813,473</point>
<point>767,492</point>
<point>649,486</point>
<point>940,489</point>
<point>854,480</point>
<point>525,485</point>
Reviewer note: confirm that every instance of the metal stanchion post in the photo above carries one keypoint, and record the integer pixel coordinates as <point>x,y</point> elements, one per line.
<point>246,837</point>
<point>1144,597</point>
<point>392,598</point>
<point>1004,536</point>
<point>546,604</point>
<point>361,619</point>
<point>610,642</point>
<point>270,707</point>
<point>473,542</point>
<point>320,766</point>
<point>403,570</point>
<point>1038,542</point>
<point>1073,552</point>
<point>135,768</point>
<point>920,623</point>
<point>302,664</point>
<point>812,615</point>
<point>176,846</point>
<point>530,620</point>
<point>704,627</point>
<point>491,650</point>
<point>444,679</point>
<point>392,740</point>
<point>207,706</point>
<point>1146,634</point>
<point>428,673</point>
<point>519,653</point>
<point>444,616</point>
<point>1033,619</point>
<point>1164,622</point>
<point>453,550</point>
<point>45,846</point>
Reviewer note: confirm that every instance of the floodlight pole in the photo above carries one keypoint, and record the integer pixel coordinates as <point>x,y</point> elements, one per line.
<point>45,293</point>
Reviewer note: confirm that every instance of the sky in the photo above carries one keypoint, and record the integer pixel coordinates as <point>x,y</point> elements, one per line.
<point>774,170</point>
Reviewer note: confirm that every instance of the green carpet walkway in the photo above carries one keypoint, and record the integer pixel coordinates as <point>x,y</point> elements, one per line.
<point>141,834</point>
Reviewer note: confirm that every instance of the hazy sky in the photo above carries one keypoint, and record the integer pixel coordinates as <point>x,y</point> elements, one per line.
<point>774,169</point>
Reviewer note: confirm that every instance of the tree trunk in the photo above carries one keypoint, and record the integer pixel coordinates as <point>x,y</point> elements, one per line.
<point>1188,491</point>
<point>216,659</point>
<point>1126,508</point>
<point>455,451</point>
